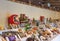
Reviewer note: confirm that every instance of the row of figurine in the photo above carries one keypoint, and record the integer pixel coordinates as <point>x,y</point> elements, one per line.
<point>15,22</point>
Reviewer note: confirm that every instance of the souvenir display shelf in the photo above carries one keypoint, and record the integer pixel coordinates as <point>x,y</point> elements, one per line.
<point>25,29</point>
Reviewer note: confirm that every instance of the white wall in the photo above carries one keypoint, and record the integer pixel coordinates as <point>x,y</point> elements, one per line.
<point>16,8</point>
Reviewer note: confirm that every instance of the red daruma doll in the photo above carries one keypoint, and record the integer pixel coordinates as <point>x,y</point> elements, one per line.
<point>13,21</point>
<point>41,18</point>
